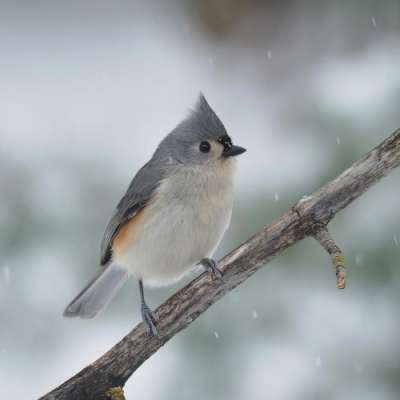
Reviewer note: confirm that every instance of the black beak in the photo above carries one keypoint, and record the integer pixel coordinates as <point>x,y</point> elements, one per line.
<point>233,151</point>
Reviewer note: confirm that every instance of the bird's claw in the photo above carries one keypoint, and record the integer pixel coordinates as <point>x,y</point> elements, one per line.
<point>212,267</point>
<point>149,320</point>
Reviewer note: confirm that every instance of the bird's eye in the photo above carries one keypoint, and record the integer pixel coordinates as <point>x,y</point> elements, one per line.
<point>205,147</point>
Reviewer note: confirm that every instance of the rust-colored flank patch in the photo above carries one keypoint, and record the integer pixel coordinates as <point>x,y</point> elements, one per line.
<point>126,234</point>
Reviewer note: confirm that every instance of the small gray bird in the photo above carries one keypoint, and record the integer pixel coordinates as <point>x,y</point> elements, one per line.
<point>172,217</point>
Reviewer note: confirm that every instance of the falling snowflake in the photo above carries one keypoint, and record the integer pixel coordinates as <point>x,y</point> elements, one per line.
<point>216,334</point>
<point>373,20</point>
<point>395,240</point>
<point>276,196</point>
<point>254,314</point>
<point>337,139</point>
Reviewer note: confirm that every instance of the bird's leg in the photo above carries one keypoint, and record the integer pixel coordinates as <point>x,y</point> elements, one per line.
<point>212,267</point>
<point>147,315</point>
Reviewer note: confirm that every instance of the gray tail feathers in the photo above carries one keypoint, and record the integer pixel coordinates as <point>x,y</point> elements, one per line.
<point>97,294</point>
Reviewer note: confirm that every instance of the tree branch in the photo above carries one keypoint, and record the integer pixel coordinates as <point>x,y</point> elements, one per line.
<point>308,218</point>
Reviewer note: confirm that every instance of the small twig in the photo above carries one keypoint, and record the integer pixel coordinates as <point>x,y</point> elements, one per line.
<point>326,241</point>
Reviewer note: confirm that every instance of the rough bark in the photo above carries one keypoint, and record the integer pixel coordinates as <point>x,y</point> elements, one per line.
<point>310,215</point>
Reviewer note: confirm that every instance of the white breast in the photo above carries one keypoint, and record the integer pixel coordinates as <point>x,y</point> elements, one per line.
<point>184,223</point>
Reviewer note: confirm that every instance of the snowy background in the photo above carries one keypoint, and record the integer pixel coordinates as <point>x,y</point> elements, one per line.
<point>88,89</point>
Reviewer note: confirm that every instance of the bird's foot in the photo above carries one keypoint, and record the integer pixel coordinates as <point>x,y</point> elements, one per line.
<point>149,320</point>
<point>212,267</point>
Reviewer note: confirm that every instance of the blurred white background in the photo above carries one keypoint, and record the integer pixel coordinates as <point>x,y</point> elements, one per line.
<point>88,89</point>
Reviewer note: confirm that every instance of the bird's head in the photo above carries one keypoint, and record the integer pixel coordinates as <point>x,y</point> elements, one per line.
<point>199,139</point>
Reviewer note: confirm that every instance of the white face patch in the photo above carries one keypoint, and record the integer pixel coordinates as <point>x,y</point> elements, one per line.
<point>216,150</point>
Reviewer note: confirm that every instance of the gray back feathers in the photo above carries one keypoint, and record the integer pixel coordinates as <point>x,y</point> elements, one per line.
<point>175,149</point>
<point>138,194</point>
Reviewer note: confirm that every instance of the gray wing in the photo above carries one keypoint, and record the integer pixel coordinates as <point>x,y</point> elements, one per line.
<point>137,196</point>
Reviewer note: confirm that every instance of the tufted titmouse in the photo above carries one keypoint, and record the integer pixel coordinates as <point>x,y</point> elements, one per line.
<point>172,217</point>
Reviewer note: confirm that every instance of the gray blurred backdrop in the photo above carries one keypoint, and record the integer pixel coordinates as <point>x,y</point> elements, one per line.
<point>88,89</point>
